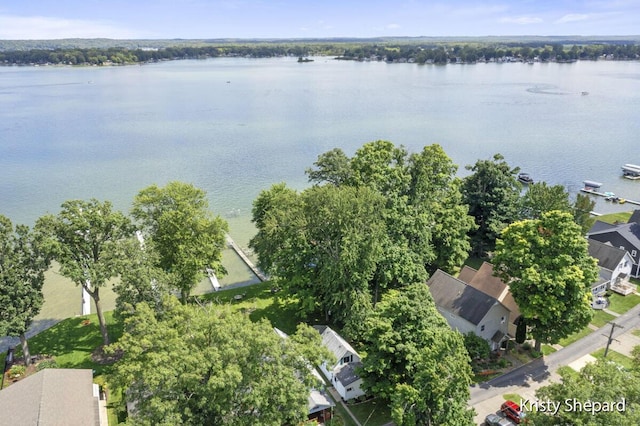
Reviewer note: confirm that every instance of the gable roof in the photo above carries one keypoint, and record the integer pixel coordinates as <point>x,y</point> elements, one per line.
<point>599,226</point>
<point>486,282</point>
<point>629,231</point>
<point>334,342</point>
<point>608,257</point>
<point>51,397</point>
<point>463,300</point>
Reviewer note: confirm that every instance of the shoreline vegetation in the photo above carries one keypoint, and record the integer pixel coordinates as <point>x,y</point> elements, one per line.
<point>422,50</point>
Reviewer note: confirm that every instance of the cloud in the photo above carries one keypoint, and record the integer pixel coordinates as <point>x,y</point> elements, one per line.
<point>46,27</point>
<point>521,20</point>
<point>572,17</point>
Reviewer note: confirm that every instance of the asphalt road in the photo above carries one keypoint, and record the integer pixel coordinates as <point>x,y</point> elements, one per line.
<point>541,369</point>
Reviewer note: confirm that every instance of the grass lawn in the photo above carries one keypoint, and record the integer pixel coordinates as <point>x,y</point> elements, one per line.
<point>547,349</point>
<point>575,336</point>
<point>636,332</point>
<point>260,302</point>
<point>621,304</point>
<point>621,359</point>
<point>372,413</point>
<point>515,397</point>
<point>601,318</point>
<point>622,217</point>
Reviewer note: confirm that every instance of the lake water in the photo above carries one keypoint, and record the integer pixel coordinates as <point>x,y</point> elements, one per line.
<point>235,126</point>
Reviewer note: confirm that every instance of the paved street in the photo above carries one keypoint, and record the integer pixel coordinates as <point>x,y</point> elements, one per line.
<point>487,397</point>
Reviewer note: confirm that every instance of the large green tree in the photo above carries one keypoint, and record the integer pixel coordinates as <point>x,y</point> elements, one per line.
<point>415,360</point>
<point>540,198</point>
<point>323,244</point>
<point>492,193</point>
<point>141,280</point>
<point>427,223</point>
<point>600,382</point>
<point>181,229</point>
<point>192,365</point>
<point>548,267</point>
<point>84,238</point>
<point>22,267</point>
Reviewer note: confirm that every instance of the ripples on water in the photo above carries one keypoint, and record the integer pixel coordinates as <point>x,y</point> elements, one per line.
<point>236,126</point>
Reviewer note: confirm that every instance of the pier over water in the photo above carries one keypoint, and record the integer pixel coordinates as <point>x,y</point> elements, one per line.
<point>232,244</point>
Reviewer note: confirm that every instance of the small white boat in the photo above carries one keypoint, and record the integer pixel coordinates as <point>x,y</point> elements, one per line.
<point>591,184</point>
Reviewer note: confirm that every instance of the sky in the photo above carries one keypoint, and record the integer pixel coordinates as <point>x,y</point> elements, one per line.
<point>203,19</point>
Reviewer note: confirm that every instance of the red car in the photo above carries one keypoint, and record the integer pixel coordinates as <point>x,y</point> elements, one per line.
<point>512,411</point>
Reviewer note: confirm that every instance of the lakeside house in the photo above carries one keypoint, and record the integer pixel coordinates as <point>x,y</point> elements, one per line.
<point>468,309</point>
<point>483,279</point>
<point>614,266</point>
<point>342,374</point>
<point>626,238</point>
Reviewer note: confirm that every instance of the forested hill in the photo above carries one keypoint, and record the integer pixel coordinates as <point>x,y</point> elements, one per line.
<point>439,50</point>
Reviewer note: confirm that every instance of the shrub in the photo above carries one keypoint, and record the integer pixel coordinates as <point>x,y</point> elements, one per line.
<point>526,346</point>
<point>476,346</point>
<point>16,371</point>
<point>47,363</point>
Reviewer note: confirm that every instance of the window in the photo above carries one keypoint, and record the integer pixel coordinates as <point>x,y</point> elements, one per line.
<point>482,328</point>
<point>349,389</point>
<point>345,360</point>
<point>502,320</point>
<point>634,253</point>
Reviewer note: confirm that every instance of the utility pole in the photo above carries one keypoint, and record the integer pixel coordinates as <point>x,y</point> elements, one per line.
<point>613,326</point>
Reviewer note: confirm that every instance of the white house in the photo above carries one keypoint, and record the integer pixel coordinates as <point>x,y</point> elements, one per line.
<point>342,374</point>
<point>615,267</point>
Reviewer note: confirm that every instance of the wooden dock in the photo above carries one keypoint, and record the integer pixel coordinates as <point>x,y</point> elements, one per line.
<point>602,194</point>
<point>258,273</point>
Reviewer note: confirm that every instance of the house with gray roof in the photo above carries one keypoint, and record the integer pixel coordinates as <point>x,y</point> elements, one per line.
<point>614,265</point>
<point>468,309</point>
<point>64,397</point>
<point>342,375</point>
<point>625,236</point>
<point>483,279</point>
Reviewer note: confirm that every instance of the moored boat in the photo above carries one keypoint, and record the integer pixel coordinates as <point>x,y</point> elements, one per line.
<point>631,171</point>
<point>591,184</point>
<point>525,178</point>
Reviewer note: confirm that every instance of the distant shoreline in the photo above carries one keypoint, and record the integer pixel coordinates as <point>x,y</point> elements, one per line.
<point>419,50</point>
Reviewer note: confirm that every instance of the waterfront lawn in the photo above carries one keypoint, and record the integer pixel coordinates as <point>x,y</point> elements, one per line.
<point>72,342</point>
<point>621,359</point>
<point>601,318</point>
<point>621,304</point>
<point>613,218</point>
<point>259,301</point>
<point>575,336</point>
<point>373,412</point>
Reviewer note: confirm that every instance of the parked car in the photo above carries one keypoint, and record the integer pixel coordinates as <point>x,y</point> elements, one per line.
<point>496,420</point>
<point>512,411</point>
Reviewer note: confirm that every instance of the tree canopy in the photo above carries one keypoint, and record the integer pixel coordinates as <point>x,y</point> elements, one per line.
<point>84,239</point>
<point>22,267</point>
<point>414,359</point>
<point>181,229</point>
<point>548,267</point>
<point>601,382</point>
<point>492,193</point>
<point>381,219</point>
<point>194,365</point>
